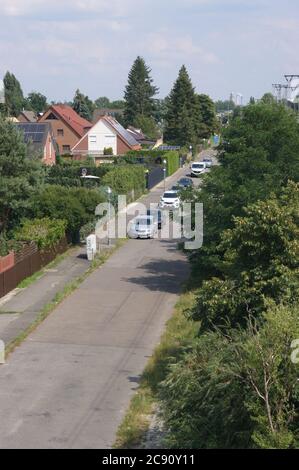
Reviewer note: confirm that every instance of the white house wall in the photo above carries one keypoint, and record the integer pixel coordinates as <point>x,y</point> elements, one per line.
<point>100,137</point>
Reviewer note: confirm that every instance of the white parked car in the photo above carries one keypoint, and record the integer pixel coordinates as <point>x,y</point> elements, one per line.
<point>208,161</point>
<point>170,200</point>
<point>143,226</point>
<point>197,168</point>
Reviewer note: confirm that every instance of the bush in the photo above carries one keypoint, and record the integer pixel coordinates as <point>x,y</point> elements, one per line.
<point>173,162</point>
<point>123,179</point>
<point>44,232</point>
<point>69,173</point>
<point>108,151</point>
<point>75,205</point>
<point>238,389</point>
<point>87,230</point>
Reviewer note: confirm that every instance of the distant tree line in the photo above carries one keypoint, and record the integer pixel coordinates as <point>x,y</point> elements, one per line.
<point>184,117</point>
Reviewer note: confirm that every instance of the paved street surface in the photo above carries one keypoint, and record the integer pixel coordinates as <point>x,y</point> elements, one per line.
<point>70,382</point>
<point>21,307</point>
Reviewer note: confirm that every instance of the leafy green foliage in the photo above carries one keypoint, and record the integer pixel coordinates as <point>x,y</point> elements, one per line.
<point>189,116</point>
<point>44,232</point>
<point>260,262</point>
<point>224,106</point>
<point>148,126</point>
<point>14,98</point>
<point>173,162</point>
<point>108,151</point>
<point>104,102</point>
<point>69,173</point>
<point>75,205</point>
<point>83,105</point>
<point>139,93</point>
<point>36,102</point>
<point>236,385</point>
<point>123,179</point>
<point>258,156</point>
<point>20,176</point>
<point>208,124</point>
<point>238,389</point>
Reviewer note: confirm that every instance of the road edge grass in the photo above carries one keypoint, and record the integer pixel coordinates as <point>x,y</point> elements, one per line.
<point>70,287</point>
<point>180,331</point>
<point>36,276</point>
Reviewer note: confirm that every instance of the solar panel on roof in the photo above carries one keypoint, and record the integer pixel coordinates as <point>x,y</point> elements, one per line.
<point>123,132</point>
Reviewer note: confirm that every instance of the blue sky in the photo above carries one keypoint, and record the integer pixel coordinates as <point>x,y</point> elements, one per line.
<point>57,46</point>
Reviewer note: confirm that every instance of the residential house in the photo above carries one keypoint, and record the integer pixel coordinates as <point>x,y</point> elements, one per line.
<point>27,116</point>
<point>106,133</point>
<point>40,140</point>
<point>67,126</point>
<point>141,138</point>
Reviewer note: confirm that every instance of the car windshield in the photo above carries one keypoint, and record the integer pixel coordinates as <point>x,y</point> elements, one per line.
<point>144,221</point>
<point>154,213</point>
<point>169,195</point>
<point>197,165</point>
<point>184,181</point>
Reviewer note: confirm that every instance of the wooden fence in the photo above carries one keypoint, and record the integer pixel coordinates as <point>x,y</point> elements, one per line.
<point>27,262</point>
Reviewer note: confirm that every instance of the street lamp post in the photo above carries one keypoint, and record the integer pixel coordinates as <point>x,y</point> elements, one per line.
<point>164,171</point>
<point>109,191</point>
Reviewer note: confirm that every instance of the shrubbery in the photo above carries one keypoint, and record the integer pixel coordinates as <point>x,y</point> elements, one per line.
<point>173,162</point>
<point>236,385</point>
<point>123,179</point>
<point>75,205</point>
<point>44,232</point>
<point>69,173</point>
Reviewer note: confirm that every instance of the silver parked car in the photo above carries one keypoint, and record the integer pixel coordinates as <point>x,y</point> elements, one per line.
<point>208,161</point>
<point>143,226</point>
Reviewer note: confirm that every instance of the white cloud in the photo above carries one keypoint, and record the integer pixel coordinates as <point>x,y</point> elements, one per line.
<point>20,8</point>
<point>169,47</point>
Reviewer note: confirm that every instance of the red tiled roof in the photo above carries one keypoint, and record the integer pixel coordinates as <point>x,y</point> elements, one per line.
<point>73,119</point>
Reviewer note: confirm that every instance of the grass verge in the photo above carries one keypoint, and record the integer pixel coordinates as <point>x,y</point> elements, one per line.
<point>30,280</point>
<point>60,296</point>
<point>179,333</point>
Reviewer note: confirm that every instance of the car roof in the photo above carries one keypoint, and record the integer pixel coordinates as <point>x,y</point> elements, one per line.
<point>172,191</point>
<point>143,217</point>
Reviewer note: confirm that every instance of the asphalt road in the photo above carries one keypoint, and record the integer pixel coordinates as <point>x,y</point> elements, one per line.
<point>70,382</point>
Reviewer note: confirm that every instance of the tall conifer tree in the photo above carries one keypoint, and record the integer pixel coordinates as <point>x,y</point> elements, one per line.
<point>182,111</point>
<point>139,93</point>
<point>14,98</point>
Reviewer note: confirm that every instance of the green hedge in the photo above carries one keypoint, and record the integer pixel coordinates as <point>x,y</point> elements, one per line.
<point>44,232</point>
<point>123,179</point>
<point>173,161</point>
<point>75,205</point>
<point>154,157</point>
<point>69,173</point>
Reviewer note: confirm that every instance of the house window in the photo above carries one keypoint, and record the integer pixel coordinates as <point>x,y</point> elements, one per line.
<point>66,149</point>
<point>93,139</point>
<point>60,132</point>
<point>51,116</point>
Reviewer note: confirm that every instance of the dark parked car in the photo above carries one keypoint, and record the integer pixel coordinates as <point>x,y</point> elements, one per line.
<point>185,183</point>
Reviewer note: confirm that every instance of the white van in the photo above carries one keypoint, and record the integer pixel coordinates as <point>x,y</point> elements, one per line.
<point>197,168</point>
